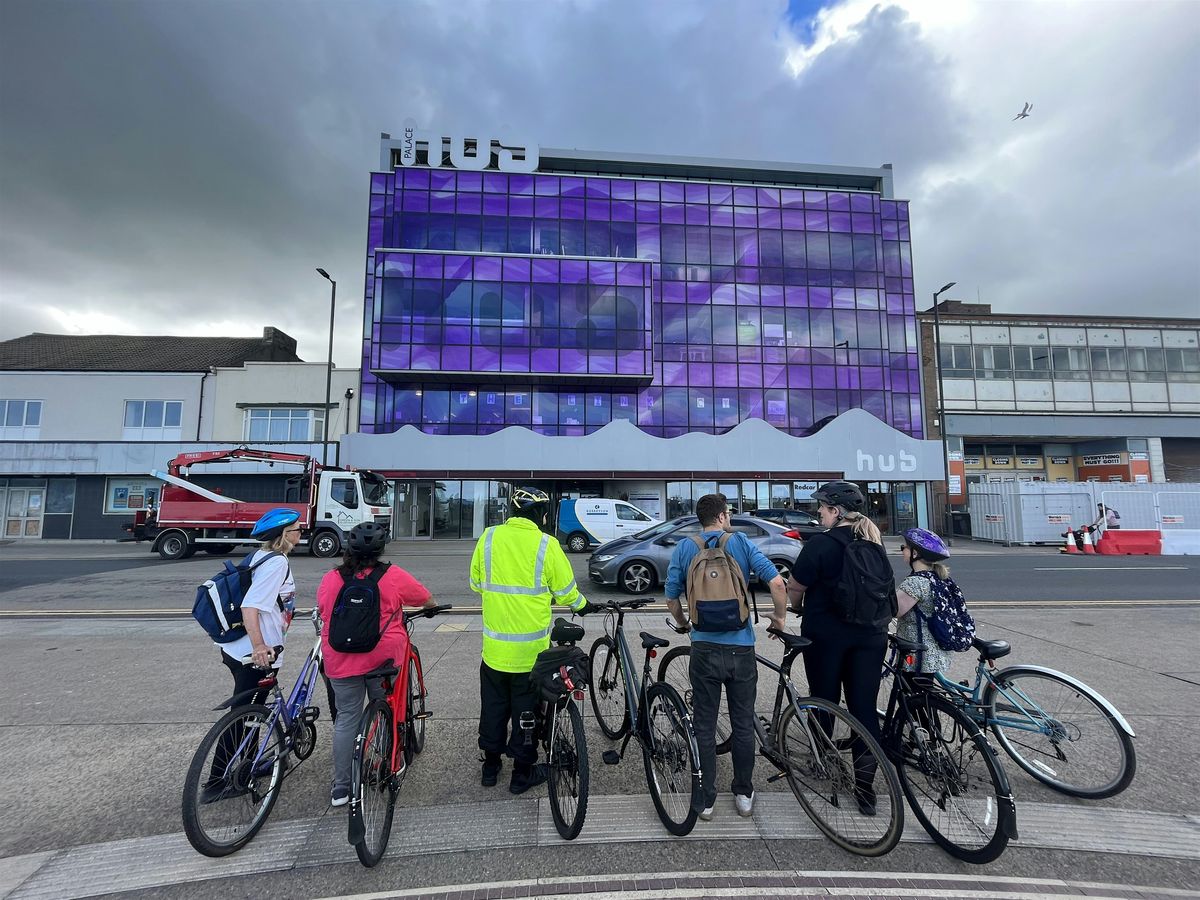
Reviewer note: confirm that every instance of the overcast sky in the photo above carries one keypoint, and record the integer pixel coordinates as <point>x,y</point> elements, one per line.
<point>181,167</point>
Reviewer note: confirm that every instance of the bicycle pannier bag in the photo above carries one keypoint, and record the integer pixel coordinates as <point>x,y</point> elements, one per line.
<point>354,625</point>
<point>716,591</point>
<point>546,674</point>
<point>865,593</point>
<point>951,625</point>
<point>218,606</point>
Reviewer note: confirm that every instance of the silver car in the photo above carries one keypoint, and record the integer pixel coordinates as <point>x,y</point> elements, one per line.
<point>639,563</point>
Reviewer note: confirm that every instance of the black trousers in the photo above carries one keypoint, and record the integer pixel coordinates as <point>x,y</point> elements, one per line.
<point>245,678</point>
<point>847,659</point>
<point>503,696</point>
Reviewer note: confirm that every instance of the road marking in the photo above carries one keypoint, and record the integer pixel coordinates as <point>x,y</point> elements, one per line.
<point>1110,569</point>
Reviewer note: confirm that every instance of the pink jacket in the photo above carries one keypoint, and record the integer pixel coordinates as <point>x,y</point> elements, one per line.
<point>397,588</point>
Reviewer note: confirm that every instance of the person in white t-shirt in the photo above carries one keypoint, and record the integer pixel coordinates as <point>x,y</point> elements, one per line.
<point>268,606</point>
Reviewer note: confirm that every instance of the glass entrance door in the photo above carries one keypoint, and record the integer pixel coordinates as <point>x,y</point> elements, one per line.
<point>23,511</point>
<point>412,519</point>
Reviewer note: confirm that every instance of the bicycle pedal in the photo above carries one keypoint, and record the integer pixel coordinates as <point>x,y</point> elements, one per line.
<point>610,757</point>
<point>311,713</point>
<point>424,715</point>
<point>774,778</point>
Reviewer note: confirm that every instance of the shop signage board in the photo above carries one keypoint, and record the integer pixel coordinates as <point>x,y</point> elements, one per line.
<point>1000,460</point>
<point>1102,459</point>
<point>1060,461</point>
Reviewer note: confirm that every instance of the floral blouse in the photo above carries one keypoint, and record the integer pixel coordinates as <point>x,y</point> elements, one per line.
<point>934,659</point>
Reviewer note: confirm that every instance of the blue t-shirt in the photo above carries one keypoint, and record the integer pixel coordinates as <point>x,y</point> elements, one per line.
<point>748,556</point>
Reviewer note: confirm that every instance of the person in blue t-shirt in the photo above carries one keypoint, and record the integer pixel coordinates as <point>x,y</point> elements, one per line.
<point>724,658</point>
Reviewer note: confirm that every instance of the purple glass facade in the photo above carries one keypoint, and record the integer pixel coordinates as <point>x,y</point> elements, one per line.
<point>561,302</point>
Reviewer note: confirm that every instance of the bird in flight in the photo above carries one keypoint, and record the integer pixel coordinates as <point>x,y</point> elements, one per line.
<point>1024,114</point>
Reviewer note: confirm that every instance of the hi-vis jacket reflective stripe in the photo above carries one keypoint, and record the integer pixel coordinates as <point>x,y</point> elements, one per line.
<point>520,572</point>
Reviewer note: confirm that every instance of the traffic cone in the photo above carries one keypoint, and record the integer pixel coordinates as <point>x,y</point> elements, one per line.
<point>1087,539</point>
<point>1070,545</point>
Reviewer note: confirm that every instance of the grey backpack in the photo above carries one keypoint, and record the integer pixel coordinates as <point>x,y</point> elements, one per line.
<point>716,588</point>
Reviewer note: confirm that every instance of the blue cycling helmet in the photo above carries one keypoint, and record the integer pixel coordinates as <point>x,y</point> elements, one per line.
<point>926,545</point>
<point>274,523</point>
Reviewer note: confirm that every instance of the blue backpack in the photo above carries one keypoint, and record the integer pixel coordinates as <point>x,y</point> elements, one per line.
<point>951,625</point>
<point>218,606</point>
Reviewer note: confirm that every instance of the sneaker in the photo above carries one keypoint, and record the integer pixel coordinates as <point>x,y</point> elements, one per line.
<point>745,805</point>
<point>339,796</point>
<point>523,781</point>
<point>706,814</point>
<point>491,770</point>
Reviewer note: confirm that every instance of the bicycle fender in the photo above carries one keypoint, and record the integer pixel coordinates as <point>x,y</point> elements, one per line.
<point>1076,683</point>
<point>237,699</point>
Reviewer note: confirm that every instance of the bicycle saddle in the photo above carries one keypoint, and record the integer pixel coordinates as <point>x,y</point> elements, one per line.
<point>991,649</point>
<point>385,669</point>
<point>566,632</point>
<point>905,646</point>
<point>649,641</point>
<point>790,641</point>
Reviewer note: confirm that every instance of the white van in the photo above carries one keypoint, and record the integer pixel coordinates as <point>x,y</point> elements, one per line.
<point>586,523</point>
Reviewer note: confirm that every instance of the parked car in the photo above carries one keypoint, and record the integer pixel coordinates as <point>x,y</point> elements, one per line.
<point>797,519</point>
<point>637,564</point>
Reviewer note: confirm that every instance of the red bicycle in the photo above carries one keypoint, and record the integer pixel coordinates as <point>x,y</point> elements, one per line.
<point>391,733</point>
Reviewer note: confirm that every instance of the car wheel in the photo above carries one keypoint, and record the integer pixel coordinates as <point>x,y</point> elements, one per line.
<point>577,542</point>
<point>783,567</point>
<point>636,578</point>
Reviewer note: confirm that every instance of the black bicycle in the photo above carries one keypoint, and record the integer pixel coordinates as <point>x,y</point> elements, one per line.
<point>948,771</point>
<point>652,713</point>
<point>557,724</point>
<point>832,764</point>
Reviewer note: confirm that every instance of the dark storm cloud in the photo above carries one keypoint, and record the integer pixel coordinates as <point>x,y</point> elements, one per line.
<point>183,167</point>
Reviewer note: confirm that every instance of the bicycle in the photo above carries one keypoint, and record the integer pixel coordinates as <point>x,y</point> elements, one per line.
<point>391,732</point>
<point>1023,703</point>
<point>948,771</point>
<point>557,724</point>
<point>237,771</point>
<point>812,743</point>
<point>650,712</point>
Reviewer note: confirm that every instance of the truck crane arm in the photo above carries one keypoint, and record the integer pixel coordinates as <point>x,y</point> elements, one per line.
<point>181,462</point>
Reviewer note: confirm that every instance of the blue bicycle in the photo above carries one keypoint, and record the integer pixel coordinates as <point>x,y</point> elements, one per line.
<point>239,767</point>
<point>1053,726</point>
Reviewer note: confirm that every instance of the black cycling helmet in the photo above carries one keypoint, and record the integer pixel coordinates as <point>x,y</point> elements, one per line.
<point>367,539</point>
<point>529,502</point>
<point>274,523</point>
<point>927,545</point>
<point>845,494</point>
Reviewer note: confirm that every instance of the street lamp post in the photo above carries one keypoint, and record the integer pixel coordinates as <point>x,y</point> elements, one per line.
<point>329,367</point>
<point>941,407</point>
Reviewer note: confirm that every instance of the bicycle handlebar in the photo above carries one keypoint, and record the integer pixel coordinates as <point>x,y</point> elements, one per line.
<point>636,603</point>
<point>434,610</point>
<point>675,627</point>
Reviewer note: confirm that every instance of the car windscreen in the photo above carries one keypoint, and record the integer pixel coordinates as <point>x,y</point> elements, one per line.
<point>658,530</point>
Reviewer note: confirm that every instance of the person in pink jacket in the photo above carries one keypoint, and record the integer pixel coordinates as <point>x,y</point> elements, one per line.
<point>346,671</point>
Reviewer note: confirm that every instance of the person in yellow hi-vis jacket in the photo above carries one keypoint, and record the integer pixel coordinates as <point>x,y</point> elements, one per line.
<point>519,572</point>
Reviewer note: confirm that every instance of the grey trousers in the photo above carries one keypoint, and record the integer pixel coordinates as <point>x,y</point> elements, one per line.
<point>713,667</point>
<point>352,695</point>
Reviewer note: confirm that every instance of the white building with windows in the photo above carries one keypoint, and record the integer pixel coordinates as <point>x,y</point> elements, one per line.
<point>84,419</point>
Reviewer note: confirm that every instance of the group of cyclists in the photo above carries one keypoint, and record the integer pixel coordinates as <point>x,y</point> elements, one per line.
<point>520,573</point>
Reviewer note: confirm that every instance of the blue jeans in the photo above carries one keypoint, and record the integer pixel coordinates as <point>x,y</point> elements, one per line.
<point>714,666</point>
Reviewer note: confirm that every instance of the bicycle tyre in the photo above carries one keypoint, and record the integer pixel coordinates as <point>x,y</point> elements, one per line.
<point>372,784</point>
<point>243,821</point>
<point>675,670</point>
<point>932,765</point>
<point>821,775</point>
<point>1086,717</point>
<point>568,780</point>
<point>608,688</point>
<point>414,737</point>
<point>671,758</point>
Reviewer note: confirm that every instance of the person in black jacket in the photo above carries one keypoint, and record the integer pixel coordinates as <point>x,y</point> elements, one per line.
<point>844,657</point>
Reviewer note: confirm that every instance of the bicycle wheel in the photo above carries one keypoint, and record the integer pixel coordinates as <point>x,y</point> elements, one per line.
<point>608,688</point>
<point>816,739</point>
<point>372,785</point>
<point>1078,747</point>
<point>675,670</point>
<point>567,761</point>
<point>226,795</point>
<point>953,781</point>
<point>414,738</point>
<point>671,758</point>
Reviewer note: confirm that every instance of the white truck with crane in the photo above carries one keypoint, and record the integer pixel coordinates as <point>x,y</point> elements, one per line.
<point>190,517</point>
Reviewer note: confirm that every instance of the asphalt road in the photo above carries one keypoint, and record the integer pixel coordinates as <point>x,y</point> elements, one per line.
<point>47,576</point>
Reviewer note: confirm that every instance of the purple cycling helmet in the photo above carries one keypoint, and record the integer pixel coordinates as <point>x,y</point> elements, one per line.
<point>926,545</point>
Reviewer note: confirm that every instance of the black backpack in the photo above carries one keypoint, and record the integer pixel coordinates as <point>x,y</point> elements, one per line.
<point>865,593</point>
<point>354,621</point>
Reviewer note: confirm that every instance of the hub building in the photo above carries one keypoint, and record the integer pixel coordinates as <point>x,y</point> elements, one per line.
<point>648,328</point>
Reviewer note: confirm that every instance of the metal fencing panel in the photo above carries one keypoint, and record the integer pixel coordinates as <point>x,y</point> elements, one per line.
<point>1137,507</point>
<point>990,519</point>
<point>1046,515</point>
<point>1179,510</point>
